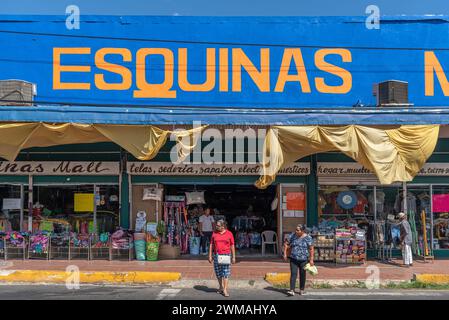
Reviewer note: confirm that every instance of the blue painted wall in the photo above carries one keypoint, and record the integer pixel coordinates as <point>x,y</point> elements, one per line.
<point>27,42</point>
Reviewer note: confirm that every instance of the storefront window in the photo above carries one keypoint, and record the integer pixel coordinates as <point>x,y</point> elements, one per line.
<point>12,204</point>
<point>345,202</point>
<point>389,202</point>
<point>372,208</point>
<point>440,208</point>
<point>344,207</point>
<point>72,207</point>
<point>419,217</point>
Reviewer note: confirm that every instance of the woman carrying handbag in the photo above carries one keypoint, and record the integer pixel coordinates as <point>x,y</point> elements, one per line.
<point>222,253</point>
<point>298,248</point>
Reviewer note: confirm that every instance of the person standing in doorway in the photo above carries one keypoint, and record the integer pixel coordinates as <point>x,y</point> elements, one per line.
<point>298,247</point>
<point>206,228</point>
<point>406,240</point>
<point>222,254</point>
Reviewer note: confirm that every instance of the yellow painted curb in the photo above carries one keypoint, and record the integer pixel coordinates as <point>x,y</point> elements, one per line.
<point>45,276</point>
<point>432,278</point>
<point>277,278</point>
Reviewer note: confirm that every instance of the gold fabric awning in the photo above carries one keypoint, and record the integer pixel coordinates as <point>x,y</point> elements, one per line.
<point>142,141</point>
<point>392,154</point>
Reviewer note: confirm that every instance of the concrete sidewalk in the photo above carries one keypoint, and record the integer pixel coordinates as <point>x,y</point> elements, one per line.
<point>256,270</point>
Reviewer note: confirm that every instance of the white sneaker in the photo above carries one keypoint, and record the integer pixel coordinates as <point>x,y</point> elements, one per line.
<point>291,293</point>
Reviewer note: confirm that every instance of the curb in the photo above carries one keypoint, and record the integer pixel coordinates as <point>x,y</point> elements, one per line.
<point>283,279</point>
<point>277,278</point>
<point>105,277</point>
<point>431,278</point>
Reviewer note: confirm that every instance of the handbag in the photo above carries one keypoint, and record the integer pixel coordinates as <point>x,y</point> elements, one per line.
<point>223,259</point>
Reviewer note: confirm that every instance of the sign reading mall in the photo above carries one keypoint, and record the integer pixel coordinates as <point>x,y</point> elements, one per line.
<point>59,168</point>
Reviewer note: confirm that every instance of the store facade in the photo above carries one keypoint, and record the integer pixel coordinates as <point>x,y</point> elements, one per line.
<point>231,195</point>
<point>376,206</point>
<point>79,194</point>
<point>238,73</point>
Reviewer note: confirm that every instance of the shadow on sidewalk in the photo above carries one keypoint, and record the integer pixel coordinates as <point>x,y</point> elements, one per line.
<point>278,290</point>
<point>205,289</point>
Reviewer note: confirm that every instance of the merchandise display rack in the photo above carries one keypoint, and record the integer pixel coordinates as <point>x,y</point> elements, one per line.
<point>15,251</point>
<point>59,247</point>
<point>324,246</point>
<point>79,251</point>
<point>100,250</point>
<point>45,253</point>
<point>353,250</point>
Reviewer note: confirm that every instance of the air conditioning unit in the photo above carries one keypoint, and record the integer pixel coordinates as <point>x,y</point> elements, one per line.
<point>392,93</point>
<point>17,93</point>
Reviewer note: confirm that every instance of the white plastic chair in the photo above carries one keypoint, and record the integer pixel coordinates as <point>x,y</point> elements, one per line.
<point>269,237</point>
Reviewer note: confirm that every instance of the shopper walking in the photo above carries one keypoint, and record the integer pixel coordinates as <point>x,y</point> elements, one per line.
<point>406,240</point>
<point>298,247</point>
<point>222,253</point>
<point>206,228</point>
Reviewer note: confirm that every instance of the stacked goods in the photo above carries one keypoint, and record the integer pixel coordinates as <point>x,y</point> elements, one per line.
<point>343,233</point>
<point>103,241</point>
<point>322,241</point>
<point>79,240</point>
<point>350,245</point>
<point>139,246</point>
<point>152,244</point>
<point>324,247</point>
<point>350,251</point>
<point>15,239</point>
<point>60,240</point>
<point>121,239</point>
<point>39,243</point>
<point>322,254</point>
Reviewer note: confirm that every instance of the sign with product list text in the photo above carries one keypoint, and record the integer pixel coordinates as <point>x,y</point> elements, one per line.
<point>170,169</point>
<point>355,169</point>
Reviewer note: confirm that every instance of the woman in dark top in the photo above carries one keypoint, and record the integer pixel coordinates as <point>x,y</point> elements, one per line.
<point>300,245</point>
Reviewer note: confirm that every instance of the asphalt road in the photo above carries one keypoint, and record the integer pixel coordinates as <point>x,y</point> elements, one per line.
<point>97,292</point>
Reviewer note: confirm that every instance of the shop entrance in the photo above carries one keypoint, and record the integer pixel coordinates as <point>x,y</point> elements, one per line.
<point>246,210</point>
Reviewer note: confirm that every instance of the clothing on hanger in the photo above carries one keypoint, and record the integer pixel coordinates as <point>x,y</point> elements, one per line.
<point>380,200</point>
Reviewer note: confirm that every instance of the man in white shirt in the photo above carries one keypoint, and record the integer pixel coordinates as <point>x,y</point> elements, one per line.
<point>206,227</point>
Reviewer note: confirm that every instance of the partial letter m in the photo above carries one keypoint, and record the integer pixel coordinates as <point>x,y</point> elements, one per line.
<point>431,66</point>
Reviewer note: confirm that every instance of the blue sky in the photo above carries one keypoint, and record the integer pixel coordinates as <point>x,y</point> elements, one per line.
<point>226,7</point>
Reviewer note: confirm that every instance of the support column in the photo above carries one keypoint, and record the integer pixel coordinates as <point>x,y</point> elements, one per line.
<point>124,202</point>
<point>312,193</point>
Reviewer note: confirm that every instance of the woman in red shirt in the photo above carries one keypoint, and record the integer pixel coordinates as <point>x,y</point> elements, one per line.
<point>222,246</point>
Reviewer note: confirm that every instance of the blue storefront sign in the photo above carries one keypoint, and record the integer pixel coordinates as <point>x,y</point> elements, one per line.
<point>317,70</point>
